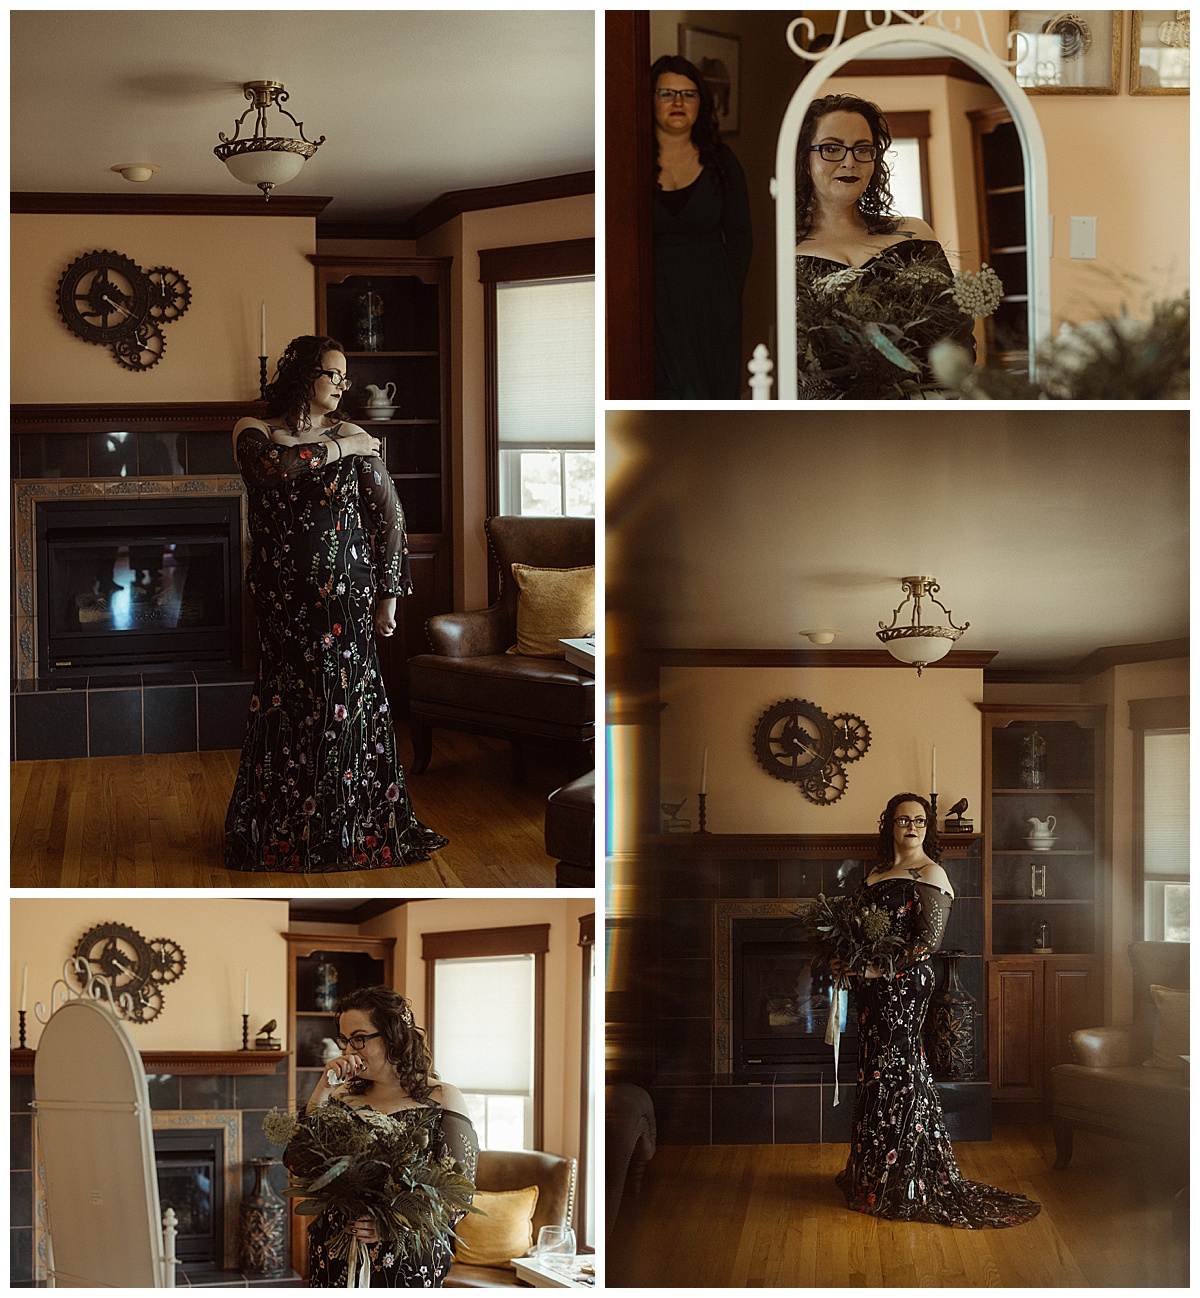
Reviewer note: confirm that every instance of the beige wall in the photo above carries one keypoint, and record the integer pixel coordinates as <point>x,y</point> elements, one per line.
<point>232,264</point>
<point>202,1010</point>
<point>720,706</point>
<point>1114,689</point>
<point>563,984</point>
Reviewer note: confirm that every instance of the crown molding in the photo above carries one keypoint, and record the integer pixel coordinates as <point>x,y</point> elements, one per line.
<point>1099,660</point>
<point>969,659</point>
<point>24,204</point>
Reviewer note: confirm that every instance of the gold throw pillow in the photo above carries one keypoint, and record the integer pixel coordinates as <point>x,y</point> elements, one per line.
<point>506,1232</point>
<point>1171,1011</point>
<point>554,604</point>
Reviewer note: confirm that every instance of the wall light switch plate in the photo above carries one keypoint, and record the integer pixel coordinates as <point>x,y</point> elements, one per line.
<point>1083,237</point>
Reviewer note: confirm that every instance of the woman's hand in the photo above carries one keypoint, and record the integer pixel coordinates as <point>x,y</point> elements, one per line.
<point>872,972</point>
<point>364,1229</point>
<point>837,968</point>
<point>357,441</point>
<point>385,615</point>
<point>343,1068</point>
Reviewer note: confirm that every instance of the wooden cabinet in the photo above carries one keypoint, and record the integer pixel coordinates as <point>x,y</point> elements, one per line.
<point>358,962</point>
<point>1042,766</point>
<point>411,350</point>
<point>1000,203</point>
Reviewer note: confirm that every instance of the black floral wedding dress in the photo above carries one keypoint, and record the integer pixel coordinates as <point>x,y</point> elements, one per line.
<point>319,787</point>
<point>901,1165</point>
<point>456,1138</point>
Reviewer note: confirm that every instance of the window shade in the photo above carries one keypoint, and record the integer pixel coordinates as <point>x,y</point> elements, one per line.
<point>483,1023</point>
<point>1165,832</point>
<point>546,362</point>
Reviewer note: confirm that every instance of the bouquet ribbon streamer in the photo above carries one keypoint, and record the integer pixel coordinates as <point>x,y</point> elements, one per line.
<point>833,1029</point>
<point>358,1266</point>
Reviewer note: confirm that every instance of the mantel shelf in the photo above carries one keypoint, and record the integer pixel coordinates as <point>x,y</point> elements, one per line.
<point>192,1062</point>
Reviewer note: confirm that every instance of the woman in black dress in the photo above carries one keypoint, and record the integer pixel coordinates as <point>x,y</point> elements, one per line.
<point>844,217</point>
<point>702,242</point>
<point>384,1071</point>
<point>901,1164</point>
<point>319,787</point>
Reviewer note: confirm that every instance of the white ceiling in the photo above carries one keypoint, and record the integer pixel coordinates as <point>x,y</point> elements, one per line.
<point>1053,532</point>
<point>412,103</point>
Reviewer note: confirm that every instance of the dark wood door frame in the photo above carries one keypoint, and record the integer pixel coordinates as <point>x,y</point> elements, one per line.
<point>629,268</point>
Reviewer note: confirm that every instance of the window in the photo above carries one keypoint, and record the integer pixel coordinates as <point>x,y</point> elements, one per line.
<point>539,322</point>
<point>1161,787</point>
<point>485,993</point>
<point>908,162</point>
<point>587,1125</point>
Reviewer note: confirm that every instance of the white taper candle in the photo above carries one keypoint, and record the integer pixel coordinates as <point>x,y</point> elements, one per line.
<point>262,345</point>
<point>246,996</point>
<point>933,789</point>
<point>24,985</point>
<point>704,772</point>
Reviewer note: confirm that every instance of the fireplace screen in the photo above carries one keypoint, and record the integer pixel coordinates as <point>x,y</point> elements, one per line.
<point>190,1180</point>
<point>134,584</point>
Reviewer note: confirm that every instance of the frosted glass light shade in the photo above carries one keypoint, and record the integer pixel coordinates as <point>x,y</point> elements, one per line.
<point>265,166</point>
<point>919,648</point>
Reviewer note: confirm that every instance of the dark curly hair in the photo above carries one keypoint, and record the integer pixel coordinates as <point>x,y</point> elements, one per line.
<point>706,134</point>
<point>392,1017</point>
<point>886,850</point>
<point>290,391</point>
<point>876,201</point>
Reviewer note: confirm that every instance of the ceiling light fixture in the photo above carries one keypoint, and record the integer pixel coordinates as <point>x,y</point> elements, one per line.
<point>261,159</point>
<point>136,171</point>
<point>917,643</point>
<point>821,635</point>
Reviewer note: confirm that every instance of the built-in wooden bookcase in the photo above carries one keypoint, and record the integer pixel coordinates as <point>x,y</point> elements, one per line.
<point>360,962</point>
<point>415,356</point>
<point>1037,998</point>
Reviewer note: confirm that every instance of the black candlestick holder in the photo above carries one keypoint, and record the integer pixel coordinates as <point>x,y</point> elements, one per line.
<point>703,816</point>
<point>21,1030</point>
<point>262,376</point>
<point>933,810</point>
<point>245,1031</point>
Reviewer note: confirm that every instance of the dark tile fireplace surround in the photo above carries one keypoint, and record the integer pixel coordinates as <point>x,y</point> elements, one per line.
<point>703,1091</point>
<point>184,1088</point>
<point>146,467</point>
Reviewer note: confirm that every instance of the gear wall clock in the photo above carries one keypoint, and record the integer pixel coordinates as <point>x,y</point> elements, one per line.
<point>106,298</point>
<point>131,964</point>
<point>795,741</point>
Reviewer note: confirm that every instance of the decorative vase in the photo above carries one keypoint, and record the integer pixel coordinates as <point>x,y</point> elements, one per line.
<point>327,987</point>
<point>262,1217</point>
<point>1033,762</point>
<point>950,1026</point>
<point>368,321</point>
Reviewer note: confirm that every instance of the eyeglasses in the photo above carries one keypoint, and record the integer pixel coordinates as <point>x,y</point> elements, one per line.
<point>337,378</point>
<point>359,1039</point>
<point>918,822</point>
<point>665,96</point>
<point>831,152</point>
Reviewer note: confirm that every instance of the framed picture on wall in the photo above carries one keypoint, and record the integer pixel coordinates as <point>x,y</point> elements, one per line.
<point>718,58</point>
<point>1160,52</point>
<point>1061,53</point>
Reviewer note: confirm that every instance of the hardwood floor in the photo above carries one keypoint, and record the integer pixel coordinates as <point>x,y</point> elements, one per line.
<point>755,1216</point>
<point>158,821</point>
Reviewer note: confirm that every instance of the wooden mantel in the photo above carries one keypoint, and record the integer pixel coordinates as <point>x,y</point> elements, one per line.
<point>191,1062</point>
<point>764,846</point>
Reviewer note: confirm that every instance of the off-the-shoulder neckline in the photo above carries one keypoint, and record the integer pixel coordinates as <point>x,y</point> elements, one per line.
<point>845,265</point>
<point>900,878</point>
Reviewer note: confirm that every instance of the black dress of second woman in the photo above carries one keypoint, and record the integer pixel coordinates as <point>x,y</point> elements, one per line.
<point>319,787</point>
<point>702,244</point>
<point>901,1164</point>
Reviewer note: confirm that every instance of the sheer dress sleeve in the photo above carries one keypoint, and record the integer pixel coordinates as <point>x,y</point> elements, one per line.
<point>932,914</point>
<point>384,519</point>
<point>460,1142</point>
<point>266,464</point>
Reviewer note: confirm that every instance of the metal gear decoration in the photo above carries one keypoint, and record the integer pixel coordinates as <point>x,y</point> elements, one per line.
<point>790,736</point>
<point>170,294</point>
<point>851,737</point>
<point>103,296</point>
<point>826,784</point>
<point>142,349</point>
<point>133,967</point>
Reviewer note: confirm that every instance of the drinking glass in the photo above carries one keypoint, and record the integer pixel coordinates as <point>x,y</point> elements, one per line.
<point>556,1247</point>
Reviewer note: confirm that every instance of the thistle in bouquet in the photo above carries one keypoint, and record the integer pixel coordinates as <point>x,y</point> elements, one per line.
<point>356,1163</point>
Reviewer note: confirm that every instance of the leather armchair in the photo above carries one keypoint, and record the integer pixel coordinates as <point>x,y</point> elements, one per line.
<point>514,1170</point>
<point>629,1143</point>
<point>469,681</point>
<point>1108,1089</point>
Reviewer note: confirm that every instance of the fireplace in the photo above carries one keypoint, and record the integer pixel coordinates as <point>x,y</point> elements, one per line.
<point>781,1000</point>
<point>138,584</point>
<point>191,1179</point>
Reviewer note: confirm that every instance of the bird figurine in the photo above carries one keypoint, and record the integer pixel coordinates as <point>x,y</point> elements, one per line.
<point>268,1028</point>
<point>959,807</point>
<point>264,1040</point>
<point>955,824</point>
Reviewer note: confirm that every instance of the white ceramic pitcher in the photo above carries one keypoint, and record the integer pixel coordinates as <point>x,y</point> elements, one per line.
<point>1041,837</point>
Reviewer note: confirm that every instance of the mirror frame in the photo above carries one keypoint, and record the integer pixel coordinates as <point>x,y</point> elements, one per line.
<point>783,186</point>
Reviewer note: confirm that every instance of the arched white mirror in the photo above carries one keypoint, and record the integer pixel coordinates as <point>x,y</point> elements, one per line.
<point>988,121</point>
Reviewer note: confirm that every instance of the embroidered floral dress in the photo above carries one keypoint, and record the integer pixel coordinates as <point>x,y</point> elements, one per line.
<point>901,1165</point>
<point>319,787</point>
<point>458,1139</point>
